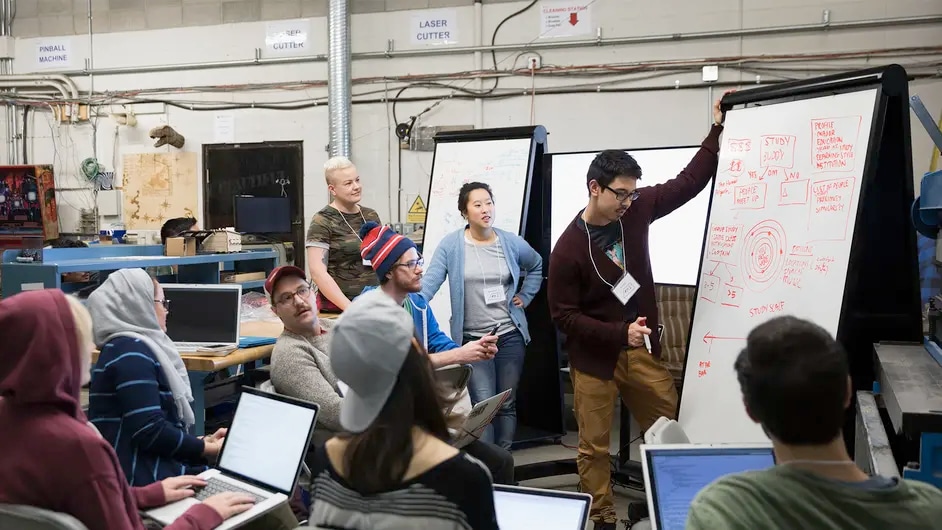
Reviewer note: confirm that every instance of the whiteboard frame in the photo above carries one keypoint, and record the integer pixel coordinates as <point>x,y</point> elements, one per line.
<point>469,136</point>
<point>813,89</point>
<point>537,137</point>
<point>548,179</point>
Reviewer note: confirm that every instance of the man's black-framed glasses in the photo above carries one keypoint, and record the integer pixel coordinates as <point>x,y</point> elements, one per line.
<point>624,195</point>
<point>412,263</point>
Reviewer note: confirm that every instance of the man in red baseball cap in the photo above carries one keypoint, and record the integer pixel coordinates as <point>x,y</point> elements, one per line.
<point>300,366</point>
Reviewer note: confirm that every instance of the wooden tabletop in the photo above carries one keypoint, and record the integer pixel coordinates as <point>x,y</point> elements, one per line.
<point>258,328</point>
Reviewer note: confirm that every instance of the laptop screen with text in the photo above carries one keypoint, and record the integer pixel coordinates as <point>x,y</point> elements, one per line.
<point>677,475</point>
<point>520,509</point>
<point>267,441</point>
<point>203,314</point>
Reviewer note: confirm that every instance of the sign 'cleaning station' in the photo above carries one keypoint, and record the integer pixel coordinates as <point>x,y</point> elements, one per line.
<point>439,26</point>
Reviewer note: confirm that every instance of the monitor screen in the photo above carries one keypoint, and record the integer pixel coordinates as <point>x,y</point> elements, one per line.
<point>676,476</point>
<point>267,440</point>
<point>521,510</point>
<point>262,215</point>
<point>201,314</point>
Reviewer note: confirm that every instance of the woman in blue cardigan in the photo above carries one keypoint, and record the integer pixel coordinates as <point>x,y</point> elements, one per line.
<point>489,263</point>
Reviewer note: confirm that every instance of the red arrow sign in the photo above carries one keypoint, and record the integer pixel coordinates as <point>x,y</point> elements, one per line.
<point>573,18</point>
<point>707,337</point>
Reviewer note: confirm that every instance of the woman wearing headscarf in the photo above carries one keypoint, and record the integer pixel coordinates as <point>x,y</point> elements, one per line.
<point>49,456</point>
<point>140,393</point>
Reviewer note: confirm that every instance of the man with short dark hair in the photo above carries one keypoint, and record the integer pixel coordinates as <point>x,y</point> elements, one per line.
<point>601,297</point>
<point>176,226</point>
<point>796,383</point>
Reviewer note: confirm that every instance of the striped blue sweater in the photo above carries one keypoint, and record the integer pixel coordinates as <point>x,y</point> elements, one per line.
<point>131,404</point>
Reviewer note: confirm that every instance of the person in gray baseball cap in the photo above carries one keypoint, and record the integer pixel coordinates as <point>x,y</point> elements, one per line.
<point>395,451</point>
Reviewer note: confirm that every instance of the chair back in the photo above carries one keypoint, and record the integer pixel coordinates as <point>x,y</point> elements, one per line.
<point>24,517</point>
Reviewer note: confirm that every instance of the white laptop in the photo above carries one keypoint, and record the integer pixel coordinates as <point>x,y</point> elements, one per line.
<point>204,319</point>
<point>261,455</point>
<point>675,473</point>
<point>520,508</point>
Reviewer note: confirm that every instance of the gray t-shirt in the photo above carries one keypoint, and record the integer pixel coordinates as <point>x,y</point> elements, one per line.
<point>485,267</point>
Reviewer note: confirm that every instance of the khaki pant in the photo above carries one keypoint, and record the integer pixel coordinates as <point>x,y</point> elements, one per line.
<point>647,390</point>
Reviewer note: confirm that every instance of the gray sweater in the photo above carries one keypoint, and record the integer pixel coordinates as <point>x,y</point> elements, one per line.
<point>300,368</point>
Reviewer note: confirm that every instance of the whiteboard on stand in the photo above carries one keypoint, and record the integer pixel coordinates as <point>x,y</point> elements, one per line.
<point>501,164</point>
<point>675,241</point>
<point>779,236</point>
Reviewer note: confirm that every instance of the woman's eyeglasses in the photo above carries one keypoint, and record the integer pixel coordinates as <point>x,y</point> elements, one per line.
<point>164,302</point>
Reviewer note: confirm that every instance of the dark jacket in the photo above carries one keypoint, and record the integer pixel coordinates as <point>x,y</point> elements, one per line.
<point>582,306</point>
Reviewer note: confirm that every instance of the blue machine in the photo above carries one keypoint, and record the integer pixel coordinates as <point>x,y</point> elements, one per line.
<point>908,380</point>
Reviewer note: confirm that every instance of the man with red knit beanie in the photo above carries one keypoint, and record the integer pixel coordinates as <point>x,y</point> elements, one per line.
<point>398,266</point>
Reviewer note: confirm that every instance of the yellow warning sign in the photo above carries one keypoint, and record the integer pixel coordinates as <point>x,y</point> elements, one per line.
<point>417,211</point>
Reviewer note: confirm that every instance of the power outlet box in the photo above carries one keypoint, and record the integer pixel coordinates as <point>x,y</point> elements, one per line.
<point>534,62</point>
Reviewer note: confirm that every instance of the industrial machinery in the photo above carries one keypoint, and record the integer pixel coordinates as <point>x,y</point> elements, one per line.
<point>909,376</point>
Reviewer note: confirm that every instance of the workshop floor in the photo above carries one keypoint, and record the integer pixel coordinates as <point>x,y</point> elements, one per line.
<point>623,496</point>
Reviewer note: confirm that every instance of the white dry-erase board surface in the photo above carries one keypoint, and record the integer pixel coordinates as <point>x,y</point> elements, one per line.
<point>675,241</point>
<point>501,164</point>
<point>778,243</point>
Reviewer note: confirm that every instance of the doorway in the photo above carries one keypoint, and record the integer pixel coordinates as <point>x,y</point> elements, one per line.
<point>265,169</point>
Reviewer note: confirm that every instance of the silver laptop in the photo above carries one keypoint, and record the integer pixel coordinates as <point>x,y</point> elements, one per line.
<point>520,508</point>
<point>675,473</point>
<point>204,318</point>
<point>261,456</point>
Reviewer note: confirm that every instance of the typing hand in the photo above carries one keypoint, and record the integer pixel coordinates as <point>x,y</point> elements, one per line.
<point>636,332</point>
<point>229,504</point>
<point>211,447</point>
<point>179,488</point>
<point>217,436</point>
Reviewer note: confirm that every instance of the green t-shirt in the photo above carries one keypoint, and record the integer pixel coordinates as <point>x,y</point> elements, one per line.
<point>339,234</point>
<point>785,497</point>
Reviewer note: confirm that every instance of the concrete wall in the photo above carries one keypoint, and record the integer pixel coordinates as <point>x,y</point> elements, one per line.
<point>588,121</point>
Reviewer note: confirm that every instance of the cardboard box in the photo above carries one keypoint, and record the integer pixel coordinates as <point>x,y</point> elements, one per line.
<point>180,246</point>
<point>232,277</point>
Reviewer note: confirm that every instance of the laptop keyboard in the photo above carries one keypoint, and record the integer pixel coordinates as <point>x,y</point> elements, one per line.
<point>214,486</point>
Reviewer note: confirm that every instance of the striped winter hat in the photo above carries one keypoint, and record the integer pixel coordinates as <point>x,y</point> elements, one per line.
<point>382,246</point>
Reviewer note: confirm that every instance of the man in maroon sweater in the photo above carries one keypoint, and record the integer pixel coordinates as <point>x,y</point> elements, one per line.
<point>601,295</point>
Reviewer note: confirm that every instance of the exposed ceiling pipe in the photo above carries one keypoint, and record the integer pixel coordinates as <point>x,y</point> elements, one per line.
<point>542,45</point>
<point>72,89</point>
<point>5,83</point>
<point>338,76</point>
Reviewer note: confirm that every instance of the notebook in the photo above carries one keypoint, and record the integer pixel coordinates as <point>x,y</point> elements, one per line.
<point>261,455</point>
<point>521,508</point>
<point>204,319</point>
<point>675,473</point>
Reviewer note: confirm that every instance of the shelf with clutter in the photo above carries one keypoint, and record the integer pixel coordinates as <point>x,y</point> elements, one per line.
<point>48,266</point>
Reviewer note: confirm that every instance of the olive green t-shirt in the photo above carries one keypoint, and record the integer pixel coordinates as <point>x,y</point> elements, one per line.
<point>785,497</point>
<point>339,234</point>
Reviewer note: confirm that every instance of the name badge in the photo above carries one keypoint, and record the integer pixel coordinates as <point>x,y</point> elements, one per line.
<point>367,263</point>
<point>493,295</point>
<point>626,287</point>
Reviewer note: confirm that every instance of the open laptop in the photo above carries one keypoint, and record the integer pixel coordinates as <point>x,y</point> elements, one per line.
<point>204,318</point>
<point>520,508</point>
<point>261,455</point>
<point>675,473</point>
<point>478,419</point>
